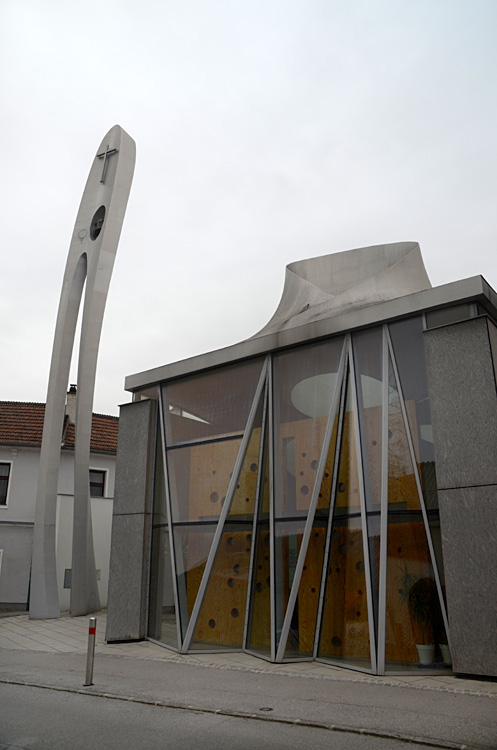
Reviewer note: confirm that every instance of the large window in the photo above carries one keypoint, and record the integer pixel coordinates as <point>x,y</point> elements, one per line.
<point>4,482</point>
<point>295,510</point>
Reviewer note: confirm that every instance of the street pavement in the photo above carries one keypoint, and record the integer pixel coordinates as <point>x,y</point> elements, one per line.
<point>48,657</point>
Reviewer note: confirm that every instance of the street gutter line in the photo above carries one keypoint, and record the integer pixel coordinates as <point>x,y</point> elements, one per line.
<point>445,745</point>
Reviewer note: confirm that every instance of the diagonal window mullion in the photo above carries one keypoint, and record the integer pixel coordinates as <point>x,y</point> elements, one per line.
<point>362,500</point>
<point>418,482</point>
<point>342,384</point>
<point>224,512</point>
<point>311,513</point>
<point>162,434</point>
<point>260,480</point>
<point>382,603</point>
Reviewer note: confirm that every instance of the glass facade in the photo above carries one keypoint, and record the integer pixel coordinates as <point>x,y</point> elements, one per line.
<point>295,512</point>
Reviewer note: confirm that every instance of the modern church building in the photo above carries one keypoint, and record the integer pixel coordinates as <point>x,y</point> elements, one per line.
<point>326,489</point>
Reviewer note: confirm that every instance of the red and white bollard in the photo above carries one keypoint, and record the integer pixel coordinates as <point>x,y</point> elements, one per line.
<point>92,629</point>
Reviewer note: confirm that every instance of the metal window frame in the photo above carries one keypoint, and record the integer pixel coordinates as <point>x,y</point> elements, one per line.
<point>272,591</point>
<point>418,484</point>
<point>349,377</point>
<point>260,481</point>
<point>362,502</point>
<point>311,513</point>
<point>192,624</point>
<point>331,511</point>
<point>382,599</point>
<point>169,521</point>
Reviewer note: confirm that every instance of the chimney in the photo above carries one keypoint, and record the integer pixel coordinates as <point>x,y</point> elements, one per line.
<point>71,404</point>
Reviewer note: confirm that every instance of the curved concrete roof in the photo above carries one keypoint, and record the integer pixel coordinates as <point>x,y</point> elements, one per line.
<point>318,288</point>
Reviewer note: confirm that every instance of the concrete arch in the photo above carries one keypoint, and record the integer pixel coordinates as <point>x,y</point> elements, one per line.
<point>90,259</point>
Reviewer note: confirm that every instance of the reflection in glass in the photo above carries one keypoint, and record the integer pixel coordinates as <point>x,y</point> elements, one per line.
<point>345,629</point>
<point>408,346</point>
<point>300,641</point>
<point>222,614</point>
<point>368,350</point>
<point>303,385</point>
<point>199,477</point>
<point>367,347</point>
<point>212,404</point>
<point>259,616</point>
<point>192,544</point>
<point>414,626</point>
<point>162,615</point>
<point>344,635</point>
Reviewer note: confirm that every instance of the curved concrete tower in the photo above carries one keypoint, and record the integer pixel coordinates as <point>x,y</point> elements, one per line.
<point>91,258</point>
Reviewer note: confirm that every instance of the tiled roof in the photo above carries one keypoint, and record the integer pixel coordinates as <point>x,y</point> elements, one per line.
<point>22,424</point>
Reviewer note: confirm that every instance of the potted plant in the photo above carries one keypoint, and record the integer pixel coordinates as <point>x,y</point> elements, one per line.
<point>421,598</point>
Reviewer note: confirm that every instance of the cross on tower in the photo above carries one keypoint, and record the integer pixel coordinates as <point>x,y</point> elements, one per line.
<point>105,155</point>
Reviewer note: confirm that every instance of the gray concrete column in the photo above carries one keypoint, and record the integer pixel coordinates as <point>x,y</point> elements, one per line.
<point>462,385</point>
<point>131,533</point>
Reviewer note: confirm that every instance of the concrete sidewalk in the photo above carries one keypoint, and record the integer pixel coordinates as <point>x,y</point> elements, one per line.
<point>444,710</point>
<point>70,635</point>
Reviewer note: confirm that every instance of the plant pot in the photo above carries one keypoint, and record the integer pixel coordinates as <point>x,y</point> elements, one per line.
<point>446,657</point>
<point>426,653</point>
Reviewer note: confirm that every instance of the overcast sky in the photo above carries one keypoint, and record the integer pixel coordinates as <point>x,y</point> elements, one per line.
<point>267,132</point>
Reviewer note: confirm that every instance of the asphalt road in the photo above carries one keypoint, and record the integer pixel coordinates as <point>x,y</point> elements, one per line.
<point>37,719</point>
<point>442,716</point>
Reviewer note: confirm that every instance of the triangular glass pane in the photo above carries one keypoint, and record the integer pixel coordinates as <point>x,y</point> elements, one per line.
<point>414,632</point>
<point>344,633</point>
<point>305,380</point>
<point>162,615</point>
<point>300,642</point>
<point>199,472</point>
<point>259,618</point>
<point>221,618</point>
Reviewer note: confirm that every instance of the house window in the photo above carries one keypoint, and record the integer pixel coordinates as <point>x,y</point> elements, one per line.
<point>97,483</point>
<point>4,482</point>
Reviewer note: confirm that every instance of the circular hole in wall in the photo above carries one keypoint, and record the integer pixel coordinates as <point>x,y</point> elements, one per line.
<point>234,612</point>
<point>214,497</point>
<point>97,222</point>
<point>253,467</point>
<point>304,490</point>
<point>341,487</point>
<point>314,465</point>
<point>236,568</point>
<point>212,623</point>
<point>336,641</point>
<point>259,587</point>
<point>230,582</point>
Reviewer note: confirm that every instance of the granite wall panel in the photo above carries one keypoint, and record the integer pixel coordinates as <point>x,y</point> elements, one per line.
<point>130,544</point>
<point>463,403</point>
<point>468,519</point>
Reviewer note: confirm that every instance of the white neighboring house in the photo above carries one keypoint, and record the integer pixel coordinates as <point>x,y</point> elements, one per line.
<point>21,428</point>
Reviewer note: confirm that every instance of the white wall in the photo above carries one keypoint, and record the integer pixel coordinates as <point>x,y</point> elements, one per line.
<point>16,541</point>
<point>101,515</point>
<point>22,484</point>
